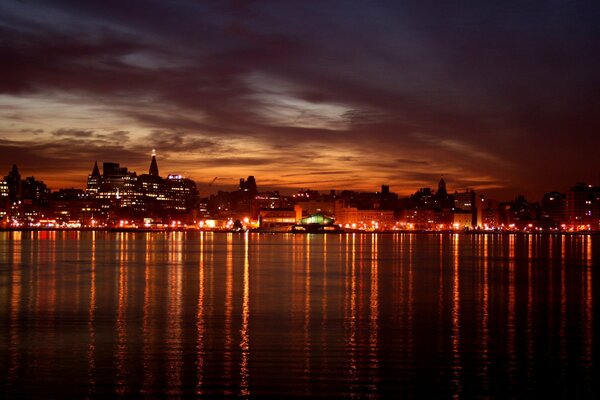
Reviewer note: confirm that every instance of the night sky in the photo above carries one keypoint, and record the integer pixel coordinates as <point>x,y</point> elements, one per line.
<point>499,97</point>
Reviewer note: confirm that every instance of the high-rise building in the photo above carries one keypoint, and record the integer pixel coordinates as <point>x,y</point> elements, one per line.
<point>3,198</point>
<point>182,192</point>
<point>34,192</point>
<point>554,207</point>
<point>94,180</point>
<point>119,188</point>
<point>13,180</point>
<point>249,185</point>
<point>583,206</point>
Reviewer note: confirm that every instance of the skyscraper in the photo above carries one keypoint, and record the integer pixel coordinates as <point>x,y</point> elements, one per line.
<point>153,165</point>
<point>13,180</point>
<point>94,180</point>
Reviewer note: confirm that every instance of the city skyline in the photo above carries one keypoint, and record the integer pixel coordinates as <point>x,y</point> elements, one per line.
<point>498,98</point>
<point>210,188</point>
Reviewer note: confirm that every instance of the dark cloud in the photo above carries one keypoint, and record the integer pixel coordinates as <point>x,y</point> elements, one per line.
<point>318,173</point>
<point>76,133</point>
<point>488,94</point>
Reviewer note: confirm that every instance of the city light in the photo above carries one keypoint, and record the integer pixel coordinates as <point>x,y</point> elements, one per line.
<point>120,198</point>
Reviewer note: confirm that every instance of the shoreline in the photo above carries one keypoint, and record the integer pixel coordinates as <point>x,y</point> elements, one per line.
<point>271,232</point>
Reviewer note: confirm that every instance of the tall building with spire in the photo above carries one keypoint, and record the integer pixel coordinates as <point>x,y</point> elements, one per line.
<point>442,187</point>
<point>94,180</point>
<point>153,165</point>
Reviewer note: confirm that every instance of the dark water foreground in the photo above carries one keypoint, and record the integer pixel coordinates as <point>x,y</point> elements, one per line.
<point>86,314</point>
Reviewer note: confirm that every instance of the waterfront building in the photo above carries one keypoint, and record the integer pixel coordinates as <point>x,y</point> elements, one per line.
<point>583,207</point>
<point>488,213</point>
<point>466,202</point>
<point>554,207</point>
<point>419,219</point>
<point>280,219</point>
<point>462,220</point>
<point>264,201</point>
<point>317,206</point>
<point>349,216</point>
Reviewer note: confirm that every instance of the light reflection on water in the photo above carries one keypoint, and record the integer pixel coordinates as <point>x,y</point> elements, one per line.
<point>412,315</point>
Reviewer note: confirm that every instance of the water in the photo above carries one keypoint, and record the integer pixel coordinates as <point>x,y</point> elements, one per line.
<point>86,314</point>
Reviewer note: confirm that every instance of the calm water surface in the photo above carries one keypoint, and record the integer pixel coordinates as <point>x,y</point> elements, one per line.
<point>98,314</point>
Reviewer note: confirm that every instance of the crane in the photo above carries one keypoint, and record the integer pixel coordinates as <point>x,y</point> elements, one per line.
<point>210,184</point>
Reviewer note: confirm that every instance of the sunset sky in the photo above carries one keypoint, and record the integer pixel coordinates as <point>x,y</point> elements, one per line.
<point>498,96</point>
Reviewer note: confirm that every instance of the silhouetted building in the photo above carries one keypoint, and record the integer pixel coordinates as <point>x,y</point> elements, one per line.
<point>94,180</point>
<point>4,193</point>
<point>182,192</point>
<point>241,200</point>
<point>265,200</point>
<point>34,192</point>
<point>465,202</point>
<point>583,206</point>
<point>119,188</point>
<point>488,213</point>
<point>153,170</point>
<point>249,185</point>
<point>120,191</point>
<point>13,180</point>
<point>4,203</point>
<point>418,219</point>
<point>424,199</point>
<point>74,205</point>
<point>387,199</point>
<point>554,207</point>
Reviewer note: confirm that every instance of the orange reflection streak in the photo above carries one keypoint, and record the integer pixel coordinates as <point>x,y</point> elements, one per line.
<point>148,332</point>
<point>306,324</point>
<point>51,295</point>
<point>563,318</point>
<point>410,303</point>
<point>440,326</point>
<point>588,316</point>
<point>456,362</point>
<point>351,318</point>
<point>324,305</point>
<point>174,333</point>
<point>121,323</point>
<point>91,351</point>
<point>374,320</point>
<point>529,333</point>
<point>441,295</point>
<point>200,321</point>
<point>401,289</point>
<point>245,335</point>
<point>228,312</point>
<point>15,299</point>
<point>511,327</point>
<point>485,328</point>
<point>77,296</point>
